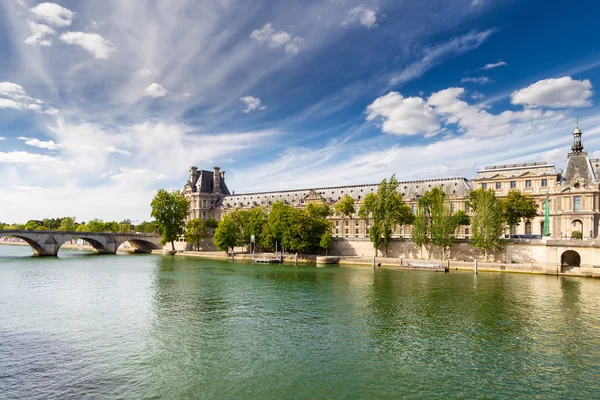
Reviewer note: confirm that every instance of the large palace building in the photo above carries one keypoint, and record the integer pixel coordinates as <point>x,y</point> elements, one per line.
<point>574,195</point>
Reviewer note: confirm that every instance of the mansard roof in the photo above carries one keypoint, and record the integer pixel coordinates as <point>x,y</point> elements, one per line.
<point>331,194</point>
<point>516,170</point>
<point>205,183</point>
<point>579,168</point>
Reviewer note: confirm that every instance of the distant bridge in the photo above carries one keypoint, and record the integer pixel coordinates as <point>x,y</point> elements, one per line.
<point>47,243</point>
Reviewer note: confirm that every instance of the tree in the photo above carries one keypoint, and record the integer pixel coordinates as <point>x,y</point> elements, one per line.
<point>227,234</point>
<point>251,222</point>
<point>387,210</point>
<point>95,225</point>
<point>326,241</point>
<point>195,231</point>
<point>577,235</point>
<point>487,222</point>
<point>147,227</point>
<point>345,206</point>
<point>517,206</point>
<point>420,227</point>
<point>295,229</point>
<point>211,223</point>
<point>68,224</point>
<point>33,225</point>
<point>111,226</point>
<point>170,209</point>
<point>443,222</point>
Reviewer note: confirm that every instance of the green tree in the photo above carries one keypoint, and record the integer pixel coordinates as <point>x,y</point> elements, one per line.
<point>251,222</point>
<point>82,227</point>
<point>95,225</point>
<point>487,222</point>
<point>420,227</point>
<point>112,226</point>
<point>147,227</point>
<point>211,223</point>
<point>227,234</point>
<point>387,210</point>
<point>577,235</point>
<point>345,206</point>
<point>170,209</point>
<point>195,231</point>
<point>517,206</point>
<point>326,241</point>
<point>443,222</point>
<point>33,224</point>
<point>68,224</point>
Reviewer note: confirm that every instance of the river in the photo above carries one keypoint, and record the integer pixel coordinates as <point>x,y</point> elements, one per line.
<point>144,326</point>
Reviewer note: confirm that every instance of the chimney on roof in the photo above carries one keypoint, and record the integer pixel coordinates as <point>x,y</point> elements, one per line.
<point>217,180</point>
<point>193,175</point>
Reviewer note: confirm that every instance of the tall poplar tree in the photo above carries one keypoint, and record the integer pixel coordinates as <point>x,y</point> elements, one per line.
<point>487,222</point>
<point>420,231</point>
<point>386,209</point>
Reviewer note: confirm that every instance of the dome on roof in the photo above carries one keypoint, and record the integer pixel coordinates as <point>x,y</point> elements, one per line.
<point>577,130</point>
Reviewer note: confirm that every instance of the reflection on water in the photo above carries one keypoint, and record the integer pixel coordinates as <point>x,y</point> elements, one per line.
<point>168,327</point>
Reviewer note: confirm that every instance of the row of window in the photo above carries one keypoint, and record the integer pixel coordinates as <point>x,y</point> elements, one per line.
<point>513,184</point>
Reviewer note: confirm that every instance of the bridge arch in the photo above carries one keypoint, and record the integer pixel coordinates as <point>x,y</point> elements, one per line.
<point>97,245</point>
<point>37,249</point>
<point>142,245</point>
<point>570,258</point>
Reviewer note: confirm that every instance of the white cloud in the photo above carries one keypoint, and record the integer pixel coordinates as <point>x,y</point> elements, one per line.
<point>366,16</point>
<point>2,138</point>
<point>556,93</point>
<point>294,46</point>
<point>251,104</point>
<point>477,79</point>
<point>276,39</point>
<point>144,73</point>
<point>13,96</point>
<point>92,42</point>
<point>403,116</point>
<point>50,145</point>
<point>39,32</point>
<point>53,14</point>
<point>113,149</point>
<point>477,95</point>
<point>155,90</point>
<point>434,55</point>
<point>23,157</point>
<point>476,120</point>
<point>494,65</point>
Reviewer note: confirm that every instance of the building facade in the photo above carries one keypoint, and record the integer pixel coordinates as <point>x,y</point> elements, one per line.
<point>574,195</point>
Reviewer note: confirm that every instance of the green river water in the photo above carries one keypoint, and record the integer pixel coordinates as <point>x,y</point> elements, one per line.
<point>158,327</point>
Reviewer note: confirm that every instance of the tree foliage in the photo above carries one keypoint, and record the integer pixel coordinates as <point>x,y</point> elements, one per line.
<point>386,210</point>
<point>517,206</point>
<point>420,227</point>
<point>435,222</point>
<point>487,222</point>
<point>227,234</point>
<point>195,231</point>
<point>326,241</point>
<point>68,224</point>
<point>170,210</point>
<point>345,206</point>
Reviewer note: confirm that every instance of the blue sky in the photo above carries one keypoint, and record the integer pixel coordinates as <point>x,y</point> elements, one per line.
<point>101,103</point>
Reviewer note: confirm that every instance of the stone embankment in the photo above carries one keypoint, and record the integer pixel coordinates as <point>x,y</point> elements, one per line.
<point>404,263</point>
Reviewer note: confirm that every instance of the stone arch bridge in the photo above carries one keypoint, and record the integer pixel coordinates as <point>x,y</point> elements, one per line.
<point>47,243</point>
